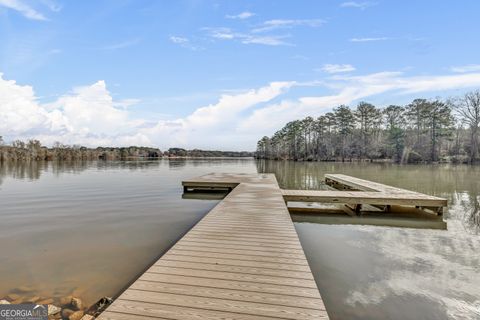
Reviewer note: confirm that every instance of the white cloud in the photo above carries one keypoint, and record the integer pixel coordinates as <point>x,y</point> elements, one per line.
<point>229,106</point>
<point>19,110</point>
<point>184,43</point>
<point>89,115</point>
<point>242,16</point>
<point>355,4</point>
<point>369,39</point>
<point>275,24</point>
<point>267,40</point>
<point>247,38</point>
<point>23,8</point>
<point>466,68</point>
<point>91,110</point>
<point>348,89</point>
<point>178,40</point>
<point>222,33</point>
<point>214,126</point>
<point>263,33</point>
<point>337,68</point>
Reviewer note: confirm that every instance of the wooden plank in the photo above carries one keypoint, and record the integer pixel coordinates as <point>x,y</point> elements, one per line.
<point>233,276</point>
<point>239,251</point>
<point>240,257</point>
<point>374,193</point>
<point>234,269</point>
<point>249,226</point>
<point>240,237</point>
<point>244,241</point>
<point>231,284</point>
<point>235,262</point>
<point>157,310</point>
<point>367,185</point>
<point>214,304</point>
<point>229,294</point>
<point>243,246</point>
<point>207,185</point>
<point>250,237</point>
<point>276,234</point>
<point>112,315</point>
<point>243,260</point>
<point>247,220</point>
<point>348,210</point>
<point>354,183</point>
<point>362,197</point>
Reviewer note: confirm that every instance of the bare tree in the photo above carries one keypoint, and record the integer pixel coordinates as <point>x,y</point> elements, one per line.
<point>468,107</point>
<point>367,115</point>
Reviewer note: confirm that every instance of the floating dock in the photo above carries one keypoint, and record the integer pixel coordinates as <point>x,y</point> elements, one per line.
<point>244,260</point>
<point>354,193</point>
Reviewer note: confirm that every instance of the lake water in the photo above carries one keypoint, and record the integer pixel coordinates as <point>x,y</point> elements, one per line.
<point>90,228</point>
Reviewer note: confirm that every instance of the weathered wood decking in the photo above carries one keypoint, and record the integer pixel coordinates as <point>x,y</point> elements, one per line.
<point>357,192</point>
<point>243,260</point>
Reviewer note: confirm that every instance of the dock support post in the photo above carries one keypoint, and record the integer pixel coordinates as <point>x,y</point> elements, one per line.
<point>437,210</point>
<point>440,211</point>
<point>352,210</point>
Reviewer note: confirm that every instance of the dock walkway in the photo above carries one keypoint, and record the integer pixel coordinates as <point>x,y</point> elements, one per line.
<point>243,260</point>
<point>355,192</point>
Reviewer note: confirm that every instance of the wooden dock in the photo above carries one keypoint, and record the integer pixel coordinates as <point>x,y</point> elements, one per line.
<point>243,260</point>
<point>355,192</point>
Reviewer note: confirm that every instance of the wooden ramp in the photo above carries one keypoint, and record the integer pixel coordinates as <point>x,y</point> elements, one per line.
<point>357,192</point>
<point>243,260</point>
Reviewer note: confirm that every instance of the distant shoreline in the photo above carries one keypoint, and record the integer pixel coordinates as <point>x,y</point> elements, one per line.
<point>33,150</point>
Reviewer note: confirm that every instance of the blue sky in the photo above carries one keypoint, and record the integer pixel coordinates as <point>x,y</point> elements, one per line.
<point>220,74</point>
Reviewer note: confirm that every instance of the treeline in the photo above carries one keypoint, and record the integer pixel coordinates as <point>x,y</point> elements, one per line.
<point>33,150</point>
<point>197,153</point>
<point>422,131</point>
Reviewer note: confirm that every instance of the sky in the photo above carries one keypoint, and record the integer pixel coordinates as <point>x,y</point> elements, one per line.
<point>220,74</point>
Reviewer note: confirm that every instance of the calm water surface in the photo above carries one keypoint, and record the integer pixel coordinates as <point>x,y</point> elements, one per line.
<point>91,228</point>
<point>367,272</point>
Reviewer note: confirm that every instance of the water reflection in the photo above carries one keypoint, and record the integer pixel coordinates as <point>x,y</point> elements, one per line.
<point>467,207</point>
<point>21,170</point>
<point>32,170</point>
<point>366,272</point>
<point>177,163</point>
<point>460,184</point>
<point>89,228</point>
<point>295,175</point>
